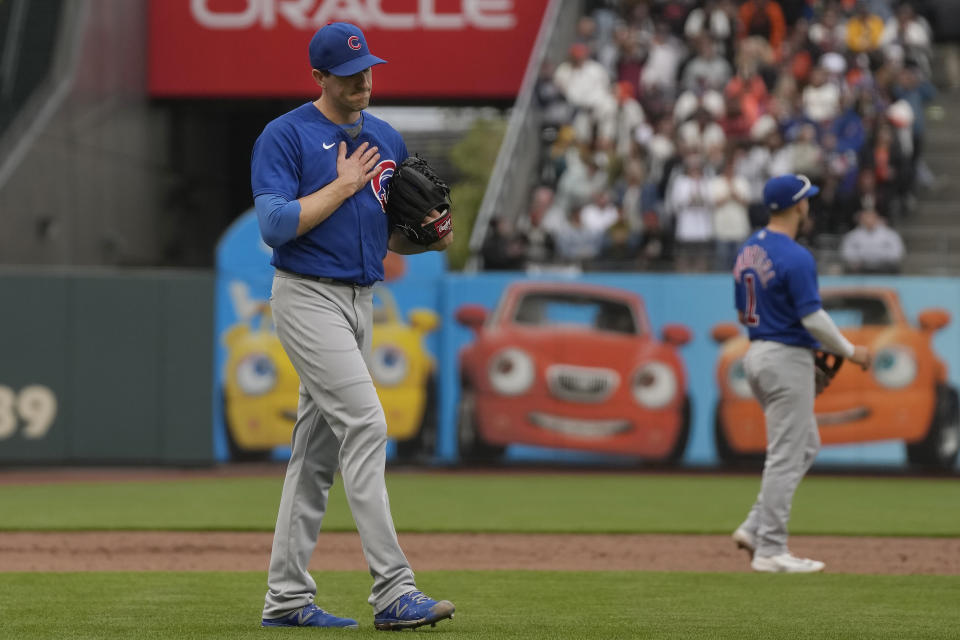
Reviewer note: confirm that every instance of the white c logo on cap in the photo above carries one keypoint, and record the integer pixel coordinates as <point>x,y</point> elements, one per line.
<point>353,42</point>
<point>803,190</point>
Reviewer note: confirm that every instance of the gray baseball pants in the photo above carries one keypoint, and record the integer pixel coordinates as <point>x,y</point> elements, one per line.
<point>325,328</point>
<point>781,377</point>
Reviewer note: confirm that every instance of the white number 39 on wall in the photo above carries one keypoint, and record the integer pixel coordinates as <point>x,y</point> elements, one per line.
<point>35,405</point>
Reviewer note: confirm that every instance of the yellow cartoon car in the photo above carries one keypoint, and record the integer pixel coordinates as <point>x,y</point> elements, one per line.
<point>403,372</point>
<point>261,386</point>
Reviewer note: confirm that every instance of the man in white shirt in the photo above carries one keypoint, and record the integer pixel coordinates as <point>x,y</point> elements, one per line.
<point>871,247</point>
<point>821,99</point>
<point>600,214</point>
<point>688,198</point>
<point>586,86</point>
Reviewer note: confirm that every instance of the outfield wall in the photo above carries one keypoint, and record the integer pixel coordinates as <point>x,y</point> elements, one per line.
<point>105,366</point>
<point>120,367</point>
<point>425,414</point>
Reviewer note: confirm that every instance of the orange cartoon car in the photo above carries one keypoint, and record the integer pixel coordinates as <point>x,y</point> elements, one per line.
<point>904,396</point>
<point>571,366</point>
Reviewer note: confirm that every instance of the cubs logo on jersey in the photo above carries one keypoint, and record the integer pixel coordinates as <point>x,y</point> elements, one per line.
<point>379,183</point>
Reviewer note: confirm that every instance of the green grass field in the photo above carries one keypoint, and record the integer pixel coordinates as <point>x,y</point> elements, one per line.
<point>555,503</point>
<point>497,604</point>
<point>503,604</point>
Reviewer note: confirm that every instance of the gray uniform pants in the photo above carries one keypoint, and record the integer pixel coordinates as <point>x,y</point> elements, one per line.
<point>325,330</point>
<point>781,378</point>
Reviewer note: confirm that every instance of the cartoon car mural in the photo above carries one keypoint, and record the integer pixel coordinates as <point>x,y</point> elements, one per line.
<point>261,386</point>
<point>571,366</point>
<point>904,396</point>
<point>404,373</point>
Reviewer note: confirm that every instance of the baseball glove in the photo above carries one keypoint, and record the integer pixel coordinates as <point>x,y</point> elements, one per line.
<point>412,193</point>
<point>826,366</point>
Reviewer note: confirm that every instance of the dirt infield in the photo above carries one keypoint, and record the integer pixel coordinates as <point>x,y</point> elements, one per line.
<point>225,551</point>
<point>198,551</point>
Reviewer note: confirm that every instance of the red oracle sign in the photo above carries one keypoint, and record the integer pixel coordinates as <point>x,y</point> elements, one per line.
<point>258,48</point>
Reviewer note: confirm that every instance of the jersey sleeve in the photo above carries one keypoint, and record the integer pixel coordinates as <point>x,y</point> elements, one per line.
<point>802,284</point>
<point>275,163</point>
<point>739,298</point>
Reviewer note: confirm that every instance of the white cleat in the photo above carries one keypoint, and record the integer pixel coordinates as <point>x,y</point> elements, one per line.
<point>786,563</point>
<point>745,541</point>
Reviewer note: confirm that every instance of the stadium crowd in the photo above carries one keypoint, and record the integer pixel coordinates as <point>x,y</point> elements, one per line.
<point>661,126</point>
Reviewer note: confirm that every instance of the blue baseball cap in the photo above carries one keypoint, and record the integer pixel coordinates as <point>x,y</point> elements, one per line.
<point>341,49</point>
<point>782,192</point>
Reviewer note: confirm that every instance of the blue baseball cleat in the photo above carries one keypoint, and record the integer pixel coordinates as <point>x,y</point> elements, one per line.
<point>310,616</point>
<point>412,610</point>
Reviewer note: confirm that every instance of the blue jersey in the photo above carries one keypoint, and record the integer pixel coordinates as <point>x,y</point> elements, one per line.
<point>775,286</point>
<point>295,156</point>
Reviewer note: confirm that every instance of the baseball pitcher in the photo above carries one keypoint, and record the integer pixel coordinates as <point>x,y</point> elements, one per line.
<point>320,176</point>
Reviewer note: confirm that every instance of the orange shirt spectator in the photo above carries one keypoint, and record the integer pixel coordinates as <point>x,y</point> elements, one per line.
<point>748,90</point>
<point>764,18</point>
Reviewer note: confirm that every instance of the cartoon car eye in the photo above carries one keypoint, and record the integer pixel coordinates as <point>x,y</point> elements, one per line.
<point>737,379</point>
<point>654,385</point>
<point>511,372</point>
<point>256,374</point>
<point>894,367</point>
<point>389,365</point>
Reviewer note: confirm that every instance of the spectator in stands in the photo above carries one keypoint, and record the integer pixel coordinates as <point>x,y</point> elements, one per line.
<point>707,70</point>
<point>580,78</point>
<point>848,128</point>
<point>730,196</point>
<point>660,71</point>
<point>630,197</point>
<point>828,33</point>
<point>503,250</point>
<point>539,242</point>
<point>913,88</point>
<point>798,54</point>
<point>734,123</point>
<point>660,149</point>
<point>868,196</point>
<point>912,34</point>
<point>586,34</point>
<point>891,169</point>
<point>575,243</point>
<point>618,119</point>
<point>585,84</point>
<point>629,66</point>
<point>701,133</point>
<point>763,18</point>
<point>563,150</point>
<point>713,21</point>
<point>642,25</point>
<point>689,201</point>
<point>806,154</point>
<point>599,214</point>
<point>619,250</point>
<point>748,89</point>
<point>864,30</point>
<point>842,167</point>
<point>821,99</point>
<point>582,179</point>
<point>872,247</point>
<point>554,109</point>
